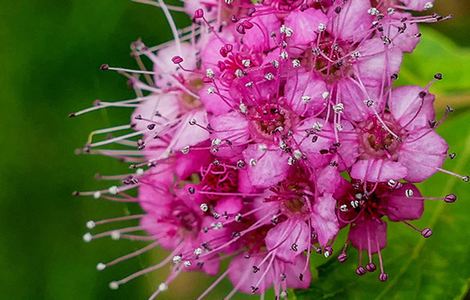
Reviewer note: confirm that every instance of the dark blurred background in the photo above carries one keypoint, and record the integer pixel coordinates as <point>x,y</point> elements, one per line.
<point>50,53</point>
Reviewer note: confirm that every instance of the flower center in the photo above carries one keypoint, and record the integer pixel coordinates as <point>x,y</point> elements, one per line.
<point>355,202</point>
<point>186,220</point>
<point>237,64</point>
<point>293,195</point>
<point>330,58</point>
<point>219,178</point>
<point>188,101</point>
<point>377,140</point>
<point>269,120</point>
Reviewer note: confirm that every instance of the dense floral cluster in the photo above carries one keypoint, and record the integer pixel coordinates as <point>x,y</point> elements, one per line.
<point>264,129</point>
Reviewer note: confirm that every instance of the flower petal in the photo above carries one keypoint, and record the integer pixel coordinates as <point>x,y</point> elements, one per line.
<point>324,218</point>
<point>422,152</point>
<point>399,207</point>
<point>368,234</point>
<point>289,239</point>
<point>265,168</point>
<point>411,110</point>
<point>378,170</point>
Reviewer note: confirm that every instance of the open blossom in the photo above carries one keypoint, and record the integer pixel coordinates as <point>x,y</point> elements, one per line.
<point>399,143</point>
<point>263,130</point>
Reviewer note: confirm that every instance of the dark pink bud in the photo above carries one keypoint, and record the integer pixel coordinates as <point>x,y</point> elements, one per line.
<point>177,60</point>
<point>247,24</point>
<point>206,79</point>
<point>221,66</point>
<point>223,52</point>
<point>198,14</point>
<point>228,47</point>
<point>241,29</point>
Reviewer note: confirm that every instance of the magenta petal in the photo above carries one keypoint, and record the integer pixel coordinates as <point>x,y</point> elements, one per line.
<point>353,22</point>
<point>265,168</point>
<point>304,25</point>
<point>190,135</point>
<point>377,62</point>
<point>242,276</point>
<point>258,38</point>
<point>367,234</point>
<point>229,205</point>
<point>328,180</point>
<point>166,105</point>
<point>293,273</point>
<point>289,239</point>
<point>411,110</point>
<point>348,151</point>
<point>399,207</point>
<point>418,5</point>
<point>213,102</point>
<point>304,93</point>
<point>378,170</point>
<point>314,146</point>
<point>422,152</point>
<point>324,219</point>
<point>228,125</point>
<point>354,108</point>
<point>407,40</point>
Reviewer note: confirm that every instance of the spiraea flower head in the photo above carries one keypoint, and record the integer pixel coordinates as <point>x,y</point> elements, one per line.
<point>261,131</point>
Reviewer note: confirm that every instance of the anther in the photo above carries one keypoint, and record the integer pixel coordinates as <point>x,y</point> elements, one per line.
<point>383,277</point>
<point>409,193</point>
<point>104,67</point>
<point>342,257</point>
<point>90,224</point>
<point>87,237</point>
<point>294,247</point>
<point>426,232</point>
<point>253,162</point>
<point>115,235</point>
<point>360,271</point>
<point>451,198</point>
<point>162,287</point>
<point>191,190</point>
<point>100,266</point>
<point>113,190</point>
<point>371,267</point>
<point>177,60</point>
<point>177,259</point>
<point>113,285</point>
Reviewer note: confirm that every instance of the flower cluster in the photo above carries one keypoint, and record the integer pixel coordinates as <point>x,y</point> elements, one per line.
<point>265,128</point>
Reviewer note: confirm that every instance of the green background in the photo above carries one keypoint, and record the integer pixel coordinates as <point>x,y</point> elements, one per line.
<point>50,52</point>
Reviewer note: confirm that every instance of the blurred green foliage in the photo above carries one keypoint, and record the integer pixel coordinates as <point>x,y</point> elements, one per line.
<point>50,53</point>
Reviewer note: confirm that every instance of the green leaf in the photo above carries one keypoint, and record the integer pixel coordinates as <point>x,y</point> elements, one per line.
<point>437,54</point>
<point>418,268</point>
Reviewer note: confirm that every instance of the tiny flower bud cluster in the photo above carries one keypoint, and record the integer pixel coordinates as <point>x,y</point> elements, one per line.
<point>245,125</point>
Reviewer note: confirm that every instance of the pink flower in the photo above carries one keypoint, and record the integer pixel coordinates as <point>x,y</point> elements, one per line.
<point>399,142</point>
<point>363,206</point>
